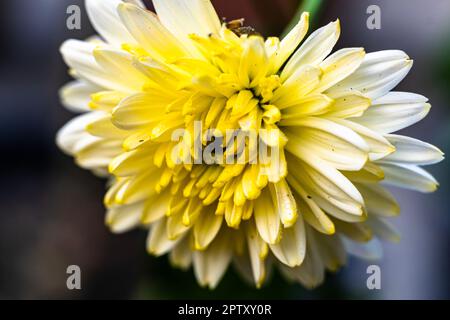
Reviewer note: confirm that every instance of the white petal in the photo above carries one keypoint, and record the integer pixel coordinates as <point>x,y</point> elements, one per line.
<point>338,145</point>
<point>333,129</point>
<point>332,251</point>
<point>243,266</point>
<point>266,217</point>
<point>358,232</point>
<point>332,179</point>
<point>383,229</point>
<point>150,33</point>
<point>379,201</point>
<point>318,45</point>
<point>257,250</point>
<point>119,65</point>
<point>312,271</point>
<point>96,153</point>
<point>413,151</point>
<point>394,111</point>
<point>339,66</point>
<point>310,211</point>
<point>76,95</point>
<point>292,247</point>
<point>379,73</point>
<point>184,17</point>
<point>79,55</point>
<point>181,255</point>
<point>124,218</point>
<point>105,19</point>
<point>379,146</point>
<point>409,177</point>
<point>331,190</point>
<point>330,195</point>
<point>158,243</point>
<point>348,104</point>
<point>74,130</point>
<point>210,265</point>
<point>371,250</point>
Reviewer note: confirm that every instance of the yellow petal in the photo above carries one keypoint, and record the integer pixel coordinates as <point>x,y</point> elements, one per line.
<point>206,228</point>
<point>290,42</point>
<point>284,202</point>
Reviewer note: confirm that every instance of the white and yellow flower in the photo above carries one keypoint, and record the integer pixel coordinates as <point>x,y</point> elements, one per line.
<point>331,117</point>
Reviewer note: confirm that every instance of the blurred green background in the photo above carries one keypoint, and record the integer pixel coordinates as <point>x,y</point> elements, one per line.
<point>51,213</point>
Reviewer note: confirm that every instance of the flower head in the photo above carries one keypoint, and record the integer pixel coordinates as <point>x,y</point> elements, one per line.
<point>324,121</point>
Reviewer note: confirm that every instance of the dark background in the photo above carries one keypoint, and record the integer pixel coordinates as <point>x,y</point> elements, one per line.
<point>51,213</point>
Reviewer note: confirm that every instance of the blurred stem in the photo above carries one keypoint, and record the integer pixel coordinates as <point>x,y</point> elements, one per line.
<point>311,6</point>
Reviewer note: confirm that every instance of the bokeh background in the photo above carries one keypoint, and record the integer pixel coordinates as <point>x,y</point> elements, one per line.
<point>51,213</point>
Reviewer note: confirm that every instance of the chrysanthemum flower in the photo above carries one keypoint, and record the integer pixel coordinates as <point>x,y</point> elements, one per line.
<point>329,117</point>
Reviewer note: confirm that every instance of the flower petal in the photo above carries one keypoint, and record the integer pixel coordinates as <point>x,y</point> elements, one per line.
<point>383,229</point>
<point>339,66</point>
<point>371,250</point>
<point>184,17</point>
<point>105,19</point>
<point>150,33</point>
<point>117,64</point>
<point>379,146</point>
<point>258,250</point>
<point>75,130</point>
<point>103,127</point>
<point>332,251</point>
<point>379,73</point>
<point>379,201</point>
<point>121,219</point>
<point>267,219</point>
<point>156,208</point>
<point>206,228</point>
<point>210,265</point>
<point>338,145</point>
<point>157,242</point>
<point>348,105</point>
<point>311,105</point>
<point>139,110</point>
<point>284,202</point>
<point>334,193</point>
<point>76,95</point>
<point>311,273</point>
<point>310,211</point>
<point>292,247</point>
<point>294,90</point>
<point>318,45</point>
<point>409,177</point>
<point>413,151</point>
<point>181,255</point>
<point>394,111</point>
<point>290,42</point>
